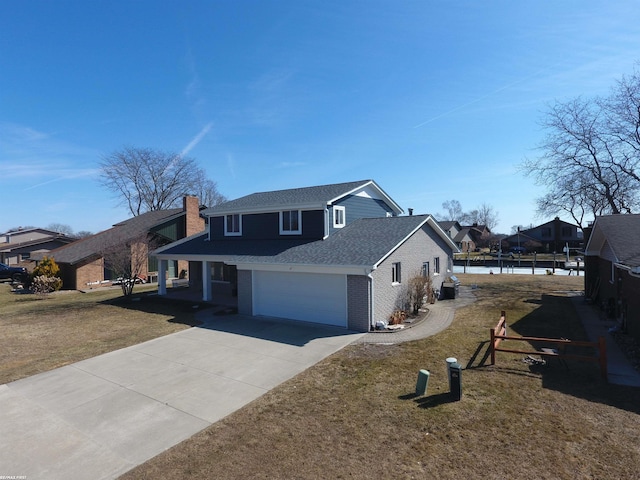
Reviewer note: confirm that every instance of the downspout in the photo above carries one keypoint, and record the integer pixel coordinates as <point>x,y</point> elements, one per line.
<point>372,322</point>
<point>326,222</point>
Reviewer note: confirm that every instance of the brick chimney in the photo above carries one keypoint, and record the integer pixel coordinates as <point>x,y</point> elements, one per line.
<point>193,222</point>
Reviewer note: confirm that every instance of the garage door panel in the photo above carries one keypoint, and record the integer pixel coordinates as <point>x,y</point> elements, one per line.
<point>301,296</point>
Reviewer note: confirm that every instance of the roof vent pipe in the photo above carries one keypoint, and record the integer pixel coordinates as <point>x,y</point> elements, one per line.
<point>410,211</point>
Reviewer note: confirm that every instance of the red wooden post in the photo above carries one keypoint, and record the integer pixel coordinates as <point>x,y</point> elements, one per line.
<point>602,347</point>
<point>493,346</point>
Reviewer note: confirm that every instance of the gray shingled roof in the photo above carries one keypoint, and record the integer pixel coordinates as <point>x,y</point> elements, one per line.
<point>290,198</point>
<point>121,232</point>
<point>622,233</point>
<point>364,242</point>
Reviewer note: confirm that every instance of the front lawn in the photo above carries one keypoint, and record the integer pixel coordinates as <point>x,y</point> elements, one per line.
<point>354,414</point>
<point>40,334</point>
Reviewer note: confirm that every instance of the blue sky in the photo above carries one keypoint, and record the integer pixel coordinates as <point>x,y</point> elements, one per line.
<point>435,100</point>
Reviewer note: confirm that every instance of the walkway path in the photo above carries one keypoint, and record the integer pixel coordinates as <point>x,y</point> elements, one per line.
<point>619,369</point>
<point>440,317</point>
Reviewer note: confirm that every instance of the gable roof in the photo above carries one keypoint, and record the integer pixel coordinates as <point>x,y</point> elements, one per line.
<point>621,232</point>
<point>448,224</point>
<point>91,246</point>
<point>22,231</point>
<point>362,244</point>
<point>298,198</point>
<point>60,238</point>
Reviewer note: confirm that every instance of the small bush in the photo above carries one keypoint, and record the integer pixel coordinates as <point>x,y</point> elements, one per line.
<point>47,267</point>
<point>420,289</point>
<point>43,285</point>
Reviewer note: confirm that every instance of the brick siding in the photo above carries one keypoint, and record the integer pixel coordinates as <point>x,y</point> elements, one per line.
<point>423,246</point>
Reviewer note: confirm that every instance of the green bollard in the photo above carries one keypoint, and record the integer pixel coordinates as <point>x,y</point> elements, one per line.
<point>423,381</point>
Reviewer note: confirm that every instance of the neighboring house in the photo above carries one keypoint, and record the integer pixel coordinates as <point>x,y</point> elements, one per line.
<point>612,268</point>
<point>335,254</point>
<point>82,264</point>
<point>467,238</point>
<point>451,228</point>
<point>17,247</point>
<point>549,237</point>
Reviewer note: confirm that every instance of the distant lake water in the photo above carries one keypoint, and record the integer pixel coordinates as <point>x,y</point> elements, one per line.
<point>512,270</point>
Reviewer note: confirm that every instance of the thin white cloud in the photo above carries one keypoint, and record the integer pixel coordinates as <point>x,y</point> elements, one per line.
<point>483,97</point>
<point>67,174</point>
<point>196,140</point>
<point>291,164</point>
<point>28,155</point>
<point>231,165</point>
<point>193,90</point>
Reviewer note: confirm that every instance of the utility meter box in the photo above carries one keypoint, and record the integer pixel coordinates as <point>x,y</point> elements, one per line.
<point>455,377</point>
<point>423,382</point>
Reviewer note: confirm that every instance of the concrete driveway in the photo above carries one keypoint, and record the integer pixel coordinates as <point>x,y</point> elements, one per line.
<point>100,417</point>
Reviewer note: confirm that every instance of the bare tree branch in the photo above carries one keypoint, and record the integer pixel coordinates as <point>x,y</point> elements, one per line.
<point>145,179</point>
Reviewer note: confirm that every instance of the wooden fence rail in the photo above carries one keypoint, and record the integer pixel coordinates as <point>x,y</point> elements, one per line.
<point>499,333</point>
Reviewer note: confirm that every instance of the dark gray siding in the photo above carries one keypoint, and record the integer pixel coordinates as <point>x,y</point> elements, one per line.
<point>267,226</point>
<point>216,228</point>
<point>245,292</point>
<point>359,303</point>
<point>359,207</point>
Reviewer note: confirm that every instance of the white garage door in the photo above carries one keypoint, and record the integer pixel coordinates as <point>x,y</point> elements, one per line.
<point>310,297</point>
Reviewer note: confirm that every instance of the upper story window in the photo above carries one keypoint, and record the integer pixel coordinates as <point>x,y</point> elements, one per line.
<point>233,225</point>
<point>546,232</point>
<point>291,222</point>
<point>567,232</point>
<point>436,265</point>
<point>339,217</point>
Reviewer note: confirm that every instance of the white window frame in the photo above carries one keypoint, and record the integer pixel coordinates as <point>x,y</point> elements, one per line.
<point>436,265</point>
<point>233,232</point>
<point>339,212</point>
<point>288,231</point>
<point>396,273</point>
<point>425,269</point>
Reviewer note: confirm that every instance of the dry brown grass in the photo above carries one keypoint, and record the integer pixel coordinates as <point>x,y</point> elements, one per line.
<point>40,334</point>
<point>354,415</point>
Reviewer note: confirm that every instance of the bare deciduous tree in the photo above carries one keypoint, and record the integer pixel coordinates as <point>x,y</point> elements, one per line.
<point>61,228</point>
<point>453,209</point>
<point>128,259</point>
<point>485,214</point>
<point>591,155</point>
<point>146,179</point>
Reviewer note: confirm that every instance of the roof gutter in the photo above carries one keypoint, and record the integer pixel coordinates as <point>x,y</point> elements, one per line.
<point>633,271</point>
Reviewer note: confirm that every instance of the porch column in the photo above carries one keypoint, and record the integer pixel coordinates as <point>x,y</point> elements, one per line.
<point>162,277</point>
<point>206,281</point>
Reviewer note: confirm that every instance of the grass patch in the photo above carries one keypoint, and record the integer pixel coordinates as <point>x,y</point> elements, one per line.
<point>354,414</point>
<point>40,334</point>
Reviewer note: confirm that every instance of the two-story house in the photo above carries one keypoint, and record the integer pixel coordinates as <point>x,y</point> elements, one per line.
<point>17,246</point>
<point>335,254</point>
<point>551,236</point>
<point>82,263</point>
